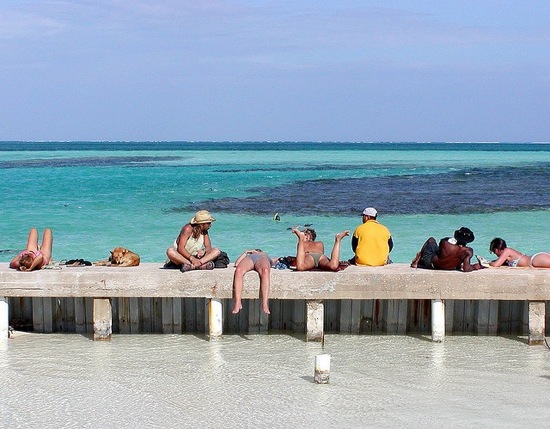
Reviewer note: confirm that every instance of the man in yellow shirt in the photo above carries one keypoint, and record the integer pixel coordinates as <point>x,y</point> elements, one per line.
<point>371,241</point>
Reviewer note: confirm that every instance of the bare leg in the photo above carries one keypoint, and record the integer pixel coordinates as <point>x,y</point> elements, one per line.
<point>176,257</point>
<point>303,262</point>
<point>541,260</point>
<point>334,261</point>
<point>210,255</point>
<point>416,260</point>
<point>47,243</point>
<point>244,266</point>
<point>263,267</point>
<point>32,240</point>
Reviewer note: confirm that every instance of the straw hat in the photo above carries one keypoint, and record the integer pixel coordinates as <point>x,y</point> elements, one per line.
<point>202,216</point>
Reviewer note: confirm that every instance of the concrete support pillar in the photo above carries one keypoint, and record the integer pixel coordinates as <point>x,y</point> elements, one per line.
<point>315,320</point>
<point>438,320</point>
<point>537,324</point>
<point>4,318</point>
<point>215,318</point>
<point>103,319</point>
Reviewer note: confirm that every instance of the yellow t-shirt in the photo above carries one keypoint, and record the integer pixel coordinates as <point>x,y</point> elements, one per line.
<point>372,244</point>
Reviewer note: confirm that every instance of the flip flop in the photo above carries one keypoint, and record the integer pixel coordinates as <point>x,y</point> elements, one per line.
<point>483,262</point>
<point>78,263</point>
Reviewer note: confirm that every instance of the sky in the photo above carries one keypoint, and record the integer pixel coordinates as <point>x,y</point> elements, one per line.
<point>300,70</point>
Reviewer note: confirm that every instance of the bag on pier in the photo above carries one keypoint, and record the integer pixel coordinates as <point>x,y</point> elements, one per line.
<point>221,261</point>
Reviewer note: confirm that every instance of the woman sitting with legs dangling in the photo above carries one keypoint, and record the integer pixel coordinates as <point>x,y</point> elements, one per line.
<point>260,262</point>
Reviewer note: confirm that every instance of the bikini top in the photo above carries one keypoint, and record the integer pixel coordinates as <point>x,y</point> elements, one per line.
<point>33,253</point>
<point>515,262</point>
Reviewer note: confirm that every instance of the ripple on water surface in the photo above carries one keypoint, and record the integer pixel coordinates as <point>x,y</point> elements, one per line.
<point>239,381</point>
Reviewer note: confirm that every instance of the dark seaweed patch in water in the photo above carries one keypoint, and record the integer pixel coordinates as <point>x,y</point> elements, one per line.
<point>8,252</point>
<point>92,161</point>
<point>476,190</point>
<point>237,169</point>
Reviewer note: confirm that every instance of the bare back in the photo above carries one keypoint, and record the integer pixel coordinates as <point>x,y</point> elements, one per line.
<point>452,257</point>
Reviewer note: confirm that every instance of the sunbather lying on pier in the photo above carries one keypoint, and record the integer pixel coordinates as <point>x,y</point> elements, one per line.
<point>311,254</point>
<point>513,258</point>
<point>450,254</point>
<point>34,257</point>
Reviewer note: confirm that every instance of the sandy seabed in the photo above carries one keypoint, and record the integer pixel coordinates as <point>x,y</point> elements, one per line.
<point>175,381</point>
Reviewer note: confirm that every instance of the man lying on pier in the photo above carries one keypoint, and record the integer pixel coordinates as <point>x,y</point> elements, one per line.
<point>451,254</point>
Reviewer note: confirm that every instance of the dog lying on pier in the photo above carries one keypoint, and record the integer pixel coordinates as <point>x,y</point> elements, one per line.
<point>120,257</point>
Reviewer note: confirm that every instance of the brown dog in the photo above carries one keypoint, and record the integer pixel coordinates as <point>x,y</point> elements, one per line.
<point>121,257</point>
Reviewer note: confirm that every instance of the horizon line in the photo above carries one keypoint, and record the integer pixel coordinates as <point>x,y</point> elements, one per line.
<point>277,141</point>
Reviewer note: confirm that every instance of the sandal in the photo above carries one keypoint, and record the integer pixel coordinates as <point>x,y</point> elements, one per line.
<point>208,266</point>
<point>77,263</point>
<point>186,267</point>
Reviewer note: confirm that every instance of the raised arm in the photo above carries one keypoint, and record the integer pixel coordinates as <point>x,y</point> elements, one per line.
<point>14,263</point>
<point>37,262</point>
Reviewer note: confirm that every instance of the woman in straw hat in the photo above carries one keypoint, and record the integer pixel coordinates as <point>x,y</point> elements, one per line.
<point>192,250</point>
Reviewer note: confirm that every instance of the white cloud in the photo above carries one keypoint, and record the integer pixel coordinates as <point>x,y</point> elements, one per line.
<point>20,24</point>
<point>174,56</point>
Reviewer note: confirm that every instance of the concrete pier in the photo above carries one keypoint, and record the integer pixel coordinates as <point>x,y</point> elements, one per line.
<point>312,293</point>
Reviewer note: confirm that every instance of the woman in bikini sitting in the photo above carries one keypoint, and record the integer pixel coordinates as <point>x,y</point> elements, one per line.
<point>513,258</point>
<point>34,257</point>
<point>311,254</point>
<point>260,262</point>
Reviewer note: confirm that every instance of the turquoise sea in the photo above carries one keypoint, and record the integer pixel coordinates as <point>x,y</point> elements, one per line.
<point>99,195</point>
